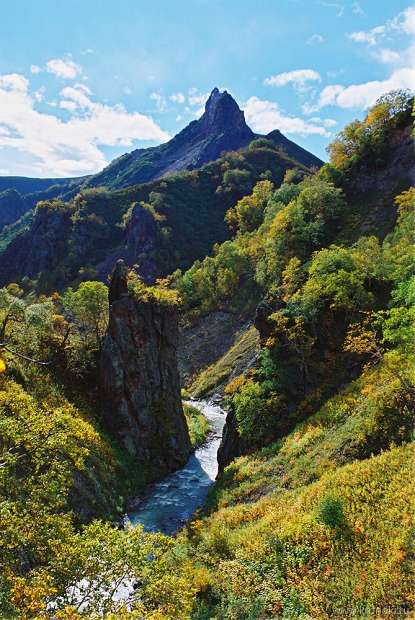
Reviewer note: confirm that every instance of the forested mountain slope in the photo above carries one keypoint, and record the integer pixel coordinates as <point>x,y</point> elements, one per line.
<point>18,195</point>
<point>158,226</point>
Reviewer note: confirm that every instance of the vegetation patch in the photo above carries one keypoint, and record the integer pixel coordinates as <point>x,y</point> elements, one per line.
<point>216,375</point>
<point>197,424</point>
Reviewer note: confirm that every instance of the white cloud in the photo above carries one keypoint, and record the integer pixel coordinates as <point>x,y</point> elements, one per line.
<point>14,82</point>
<point>315,38</point>
<point>35,69</point>
<point>370,37</point>
<point>39,94</point>
<point>362,96</point>
<point>403,23</point>
<point>63,68</point>
<point>161,102</point>
<point>386,55</point>
<point>70,106</point>
<point>406,20</point>
<point>264,116</point>
<point>53,147</point>
<point>177,98</point>
<point>78,97</point>
<point>298,78</point>
<point>326,122</point>
<point>127,90</point>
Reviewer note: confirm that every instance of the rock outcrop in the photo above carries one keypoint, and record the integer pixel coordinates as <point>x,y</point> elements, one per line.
<point>205,341</point>
<point>232,445</point>
<point>140,386</point>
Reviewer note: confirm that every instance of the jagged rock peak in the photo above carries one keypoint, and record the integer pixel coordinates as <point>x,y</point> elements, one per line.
<point>222,111</point>
<point>118,284</point>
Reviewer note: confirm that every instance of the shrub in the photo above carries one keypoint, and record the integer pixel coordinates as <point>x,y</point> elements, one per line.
<point>330,513</point>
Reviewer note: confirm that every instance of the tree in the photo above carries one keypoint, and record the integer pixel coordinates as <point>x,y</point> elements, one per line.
<point>368,138</point>
<point>89,308</point>
<point>24,322</point>
<point>248,213</point>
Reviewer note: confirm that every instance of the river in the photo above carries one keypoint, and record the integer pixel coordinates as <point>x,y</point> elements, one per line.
<point>172,501</point>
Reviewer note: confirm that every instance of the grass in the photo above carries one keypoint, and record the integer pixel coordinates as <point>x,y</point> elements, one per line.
<point>220,372</point>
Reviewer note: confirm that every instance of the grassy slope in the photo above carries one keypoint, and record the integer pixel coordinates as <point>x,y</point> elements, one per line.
<point>109,475</point>
<point>284,557</point>
<point>355,424</point>
<point>274,546</point>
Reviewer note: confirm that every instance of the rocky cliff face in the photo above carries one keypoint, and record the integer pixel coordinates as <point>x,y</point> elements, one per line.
<point>141,238</point>
<point>205,341</point>
<point>140,384</point>
<point>232,445</point>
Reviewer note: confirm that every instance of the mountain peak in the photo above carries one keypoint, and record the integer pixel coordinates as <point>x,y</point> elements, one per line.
<point>222,112</point>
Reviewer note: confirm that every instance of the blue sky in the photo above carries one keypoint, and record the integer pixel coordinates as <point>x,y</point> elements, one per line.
<point>83,81</point>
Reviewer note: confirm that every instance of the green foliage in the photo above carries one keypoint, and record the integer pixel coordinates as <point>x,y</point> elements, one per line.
<point>57,469</point>
<point>197,424</point>
<point>236,180</point>
<point>270,232</point>
<point>361,140</point>
<point>337,277</point>
<point>88,306</point>
<point>216,281</point>
<point>159,293</point>
<point>255,407</point>
<point>259,143</point>
<point>187,208</point>
<point>316,518</point>
<point>330,513</point>
<point>248,213</point>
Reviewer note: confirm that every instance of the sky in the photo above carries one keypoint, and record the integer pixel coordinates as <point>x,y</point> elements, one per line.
<point>83,81</point>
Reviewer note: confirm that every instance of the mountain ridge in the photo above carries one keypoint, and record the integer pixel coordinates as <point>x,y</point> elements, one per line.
<point>160,226</point>
<point>221,128</point>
